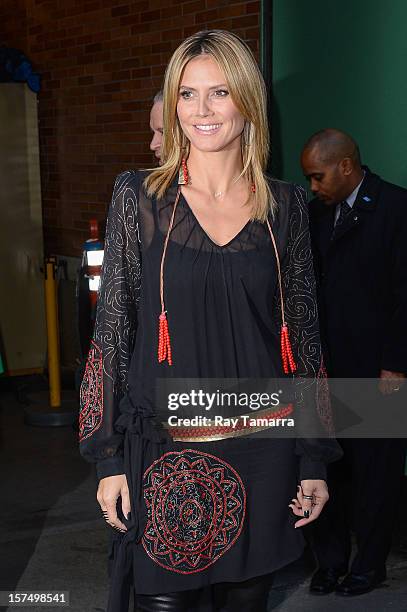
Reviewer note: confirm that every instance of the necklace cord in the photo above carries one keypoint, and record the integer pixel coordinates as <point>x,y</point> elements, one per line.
<point>165,250</point>
<point>280,284</point>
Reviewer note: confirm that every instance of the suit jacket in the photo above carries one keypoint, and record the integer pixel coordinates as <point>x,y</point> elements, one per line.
<point>362,281</point>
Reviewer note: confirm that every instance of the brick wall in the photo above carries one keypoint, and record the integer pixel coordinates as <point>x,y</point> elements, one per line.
<point>101,62</point>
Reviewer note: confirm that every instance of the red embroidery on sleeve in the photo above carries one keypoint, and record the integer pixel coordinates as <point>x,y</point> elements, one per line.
<point>91,394</point>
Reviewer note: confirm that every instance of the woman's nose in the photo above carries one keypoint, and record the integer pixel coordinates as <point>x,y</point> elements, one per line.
<point>203,107</point>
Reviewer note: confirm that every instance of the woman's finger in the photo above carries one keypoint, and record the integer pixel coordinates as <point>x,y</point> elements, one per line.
<point>306,497</point>
<point>316,511</point>
<point>112,517</point>
<point>126,508</point>
<point>296,507</point>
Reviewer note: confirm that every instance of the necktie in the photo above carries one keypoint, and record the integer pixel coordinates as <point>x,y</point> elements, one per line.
<point>343,212</point>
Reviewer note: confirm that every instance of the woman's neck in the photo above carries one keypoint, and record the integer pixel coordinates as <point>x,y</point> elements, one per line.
<point>214,172</point>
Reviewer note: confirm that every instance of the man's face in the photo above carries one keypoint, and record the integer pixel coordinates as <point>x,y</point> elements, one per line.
<point>156,126</point>
<point>327,180</point>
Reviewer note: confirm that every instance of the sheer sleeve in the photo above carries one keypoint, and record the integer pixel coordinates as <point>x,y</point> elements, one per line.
<point>105,378</point>
<point>312,406</point>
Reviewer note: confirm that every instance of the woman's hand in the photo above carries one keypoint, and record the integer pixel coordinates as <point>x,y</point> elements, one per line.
<point>108,491</point>
<point>312,496</point>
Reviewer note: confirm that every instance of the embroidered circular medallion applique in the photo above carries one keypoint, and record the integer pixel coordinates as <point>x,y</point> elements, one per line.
<point>196,506</point>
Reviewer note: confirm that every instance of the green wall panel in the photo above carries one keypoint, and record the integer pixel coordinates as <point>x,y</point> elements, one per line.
<point>340,64</point>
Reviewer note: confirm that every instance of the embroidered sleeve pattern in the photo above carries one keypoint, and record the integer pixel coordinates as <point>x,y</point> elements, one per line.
<point>105,379</point>
<point>91,393</point>
<point>302,312</point>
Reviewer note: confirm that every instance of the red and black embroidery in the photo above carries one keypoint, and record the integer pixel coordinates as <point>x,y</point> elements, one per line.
<point>196,507</point>
<point>91,394</point>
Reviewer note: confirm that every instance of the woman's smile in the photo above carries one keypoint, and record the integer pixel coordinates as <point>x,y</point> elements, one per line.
<point>208,129</point>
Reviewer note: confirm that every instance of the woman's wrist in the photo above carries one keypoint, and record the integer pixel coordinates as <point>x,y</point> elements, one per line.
<point>111,466</point>
<point>311,469</point>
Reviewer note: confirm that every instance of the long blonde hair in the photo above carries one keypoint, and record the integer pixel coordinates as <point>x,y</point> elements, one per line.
<point>248,92</point>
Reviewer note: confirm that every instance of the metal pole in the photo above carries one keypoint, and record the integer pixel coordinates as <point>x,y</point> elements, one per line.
<point>51,309</point>
<point>48,408</point>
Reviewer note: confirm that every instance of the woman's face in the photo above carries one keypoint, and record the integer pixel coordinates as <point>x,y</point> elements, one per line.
<point>206,111</point>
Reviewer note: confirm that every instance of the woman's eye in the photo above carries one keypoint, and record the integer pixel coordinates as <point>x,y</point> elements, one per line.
<point>221,93</point>
<point>186,94</point>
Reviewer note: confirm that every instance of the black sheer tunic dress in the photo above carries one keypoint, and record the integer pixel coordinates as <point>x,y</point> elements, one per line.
<point>201,513</point>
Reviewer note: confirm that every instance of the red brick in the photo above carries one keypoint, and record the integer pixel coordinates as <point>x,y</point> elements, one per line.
<point>245,22</point>
<point>206,16</point>
<point>139,28</point>
<point>218,3</point>
<point>222,24</point>
<point>35,29</point>
<point>253,7</point>
<point>172,35</point>
<point>88,80</point>
<point>150,16</point>
<point>120,10</point>
<point>232,10</point>
<point>192,7</point>
<point>141,72</point>
<point>172,11</point>
<point>122,75</point>
<point>112,87</point>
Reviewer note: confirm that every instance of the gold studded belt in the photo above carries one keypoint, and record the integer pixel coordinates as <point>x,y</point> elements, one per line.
<point>242,425</point>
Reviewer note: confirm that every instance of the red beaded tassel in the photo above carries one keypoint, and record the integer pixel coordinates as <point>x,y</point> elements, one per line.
<point>289,365</point>
<point>164,341</point>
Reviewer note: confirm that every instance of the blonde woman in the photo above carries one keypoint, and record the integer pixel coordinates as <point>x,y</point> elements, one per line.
<point>207,274</point>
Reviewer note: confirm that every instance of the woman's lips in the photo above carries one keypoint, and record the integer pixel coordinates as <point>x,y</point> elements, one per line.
<point>207,129</point>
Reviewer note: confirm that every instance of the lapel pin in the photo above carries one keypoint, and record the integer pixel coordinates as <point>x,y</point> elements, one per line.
<point>366,199</point>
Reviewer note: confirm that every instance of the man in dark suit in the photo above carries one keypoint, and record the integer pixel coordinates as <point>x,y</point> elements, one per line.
<point>358,226</point>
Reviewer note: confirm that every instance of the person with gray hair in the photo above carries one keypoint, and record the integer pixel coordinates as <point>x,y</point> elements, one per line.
<point>156,125</point>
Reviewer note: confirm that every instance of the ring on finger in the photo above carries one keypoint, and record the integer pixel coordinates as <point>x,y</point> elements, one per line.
<point>308,497</point>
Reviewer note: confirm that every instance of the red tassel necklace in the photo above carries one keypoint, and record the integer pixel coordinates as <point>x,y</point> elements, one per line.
<point>287,357</point>
<point>164,340</point>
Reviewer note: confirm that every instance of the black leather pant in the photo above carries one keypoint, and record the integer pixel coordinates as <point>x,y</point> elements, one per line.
<point>248,596</point>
